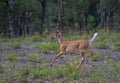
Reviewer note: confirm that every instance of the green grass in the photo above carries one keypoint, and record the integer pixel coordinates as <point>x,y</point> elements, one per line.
<point>54,47</point>
<point>101,45</point>
<point>106,72</point>
<point>24,71</point>
<point>117,45</point>
<point>1,69</point>
<point>37,38</point>
<point>15,45</point>
<point>35,58</point>
<point>44,47</point>
<point>97,56</point>
<point>2,81</point>
<point>12,57</point>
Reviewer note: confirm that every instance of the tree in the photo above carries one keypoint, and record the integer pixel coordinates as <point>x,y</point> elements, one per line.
<point>42,16</point>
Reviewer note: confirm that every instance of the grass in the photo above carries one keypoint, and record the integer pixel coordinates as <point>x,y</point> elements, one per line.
<point>97,56</point>
<point>37,38</point>
<point>46,47</point>
<point>35,58</point>
<point>12,57</point>
<point>1,69</point>
<point>2,81</point>
<point>15,45</point>
<point>106,72</point>
<point>101,45</point>
<point>117,45</point>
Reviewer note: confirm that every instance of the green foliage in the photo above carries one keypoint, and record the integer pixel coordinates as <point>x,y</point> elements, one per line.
<point>35,57</point>
<point>1,69</point>
<point>44,73</point>
<point>49,47</point>
<point>22,79</point>
<point>37,38</point>
<point>117,45</point>
<point>12,57</point>
<point>2,81</point>
<point>54,47</point>
<point>44,47</point>
<point>101,45</point>
<point>97,56</point>
<point>15,45</point>
<point>27,40</point>
<point>24,71</point>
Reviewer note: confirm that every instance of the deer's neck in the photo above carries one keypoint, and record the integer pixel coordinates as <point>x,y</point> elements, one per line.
<point>61,40</point>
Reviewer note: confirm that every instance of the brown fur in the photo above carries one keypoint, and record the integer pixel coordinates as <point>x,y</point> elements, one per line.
<point>71,46</point>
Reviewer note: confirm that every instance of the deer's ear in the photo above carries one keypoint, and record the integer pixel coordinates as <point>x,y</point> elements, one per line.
<point>58,32</point>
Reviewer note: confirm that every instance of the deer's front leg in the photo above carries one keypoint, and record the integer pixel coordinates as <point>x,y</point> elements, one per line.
<point>57,56</point>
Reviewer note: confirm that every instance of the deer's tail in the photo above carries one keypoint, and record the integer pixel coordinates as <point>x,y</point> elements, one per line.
<point>92,39</point>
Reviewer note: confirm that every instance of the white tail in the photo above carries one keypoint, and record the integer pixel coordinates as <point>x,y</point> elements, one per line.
<point>92,39</point>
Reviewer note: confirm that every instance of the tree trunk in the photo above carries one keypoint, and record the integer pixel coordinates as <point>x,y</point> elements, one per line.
<point>60,15</point>
<point>102,13</point>
<point>42,16</point>
<point>111,19</point>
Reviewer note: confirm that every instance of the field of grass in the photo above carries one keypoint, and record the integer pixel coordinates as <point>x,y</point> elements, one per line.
<point>26,60</point>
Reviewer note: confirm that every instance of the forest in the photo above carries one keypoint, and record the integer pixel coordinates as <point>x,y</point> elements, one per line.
<point>34,34</point>
<point>24,17</point>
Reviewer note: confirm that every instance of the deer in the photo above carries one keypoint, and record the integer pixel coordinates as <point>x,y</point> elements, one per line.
<point>75,45</point>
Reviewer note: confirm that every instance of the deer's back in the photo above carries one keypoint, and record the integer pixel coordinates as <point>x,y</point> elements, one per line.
<point>71,46</point>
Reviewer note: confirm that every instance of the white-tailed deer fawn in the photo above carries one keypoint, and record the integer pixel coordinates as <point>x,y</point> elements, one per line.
<point>70,46</point>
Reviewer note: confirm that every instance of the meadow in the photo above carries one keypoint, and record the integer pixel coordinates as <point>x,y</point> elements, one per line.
<point>27,60</point>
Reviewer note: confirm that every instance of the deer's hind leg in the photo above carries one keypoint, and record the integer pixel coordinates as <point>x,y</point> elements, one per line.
<point>90,52</point>
<point>82,60</point>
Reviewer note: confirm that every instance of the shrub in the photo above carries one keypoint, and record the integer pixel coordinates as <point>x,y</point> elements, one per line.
<point>12,57</point>
<point>35,57</point>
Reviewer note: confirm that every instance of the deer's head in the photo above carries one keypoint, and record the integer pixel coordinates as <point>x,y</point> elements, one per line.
<point>57,34</point>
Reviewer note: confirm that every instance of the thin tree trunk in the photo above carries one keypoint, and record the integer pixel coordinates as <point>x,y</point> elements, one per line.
<point>42,16</point>
<point>111,19</point>
<point>102,13</point>
<point>60,15</point>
